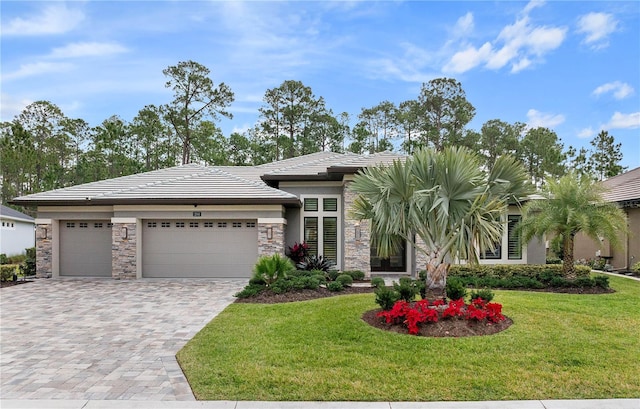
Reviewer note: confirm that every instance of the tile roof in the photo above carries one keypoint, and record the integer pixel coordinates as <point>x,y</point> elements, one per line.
<point>623,187</point>
<point>195,183</point>
<point>9,213</point>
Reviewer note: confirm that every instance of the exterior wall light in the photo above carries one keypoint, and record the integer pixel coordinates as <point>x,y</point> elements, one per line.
<point>124,233</point>
<point>357,232</point>
<point>269,233</point>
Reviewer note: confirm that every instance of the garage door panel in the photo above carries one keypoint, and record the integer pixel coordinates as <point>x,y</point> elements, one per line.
<point>183,248</point>
<point>85,248</point>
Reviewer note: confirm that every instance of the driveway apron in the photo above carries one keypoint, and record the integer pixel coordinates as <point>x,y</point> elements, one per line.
<point>103,338</point>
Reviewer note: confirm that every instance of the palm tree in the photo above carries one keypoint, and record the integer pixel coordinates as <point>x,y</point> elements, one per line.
<point>570,205</point>
<point>444,198</point>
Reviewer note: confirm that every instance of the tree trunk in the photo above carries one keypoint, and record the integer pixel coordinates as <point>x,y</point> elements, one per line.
<point>437,278</point>
<point>567,264</point>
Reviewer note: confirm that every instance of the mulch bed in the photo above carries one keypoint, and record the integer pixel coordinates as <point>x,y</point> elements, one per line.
<point>450,327</point>
<point>4,284</point>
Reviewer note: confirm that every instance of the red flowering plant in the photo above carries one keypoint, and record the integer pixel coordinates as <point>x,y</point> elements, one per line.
<point>298,252</point>
<point>422,312</point>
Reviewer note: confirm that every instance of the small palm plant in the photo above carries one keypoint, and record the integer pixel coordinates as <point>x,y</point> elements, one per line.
<point>271,268</point>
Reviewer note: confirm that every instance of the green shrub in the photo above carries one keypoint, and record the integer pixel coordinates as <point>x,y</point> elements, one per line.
<point>335,286</point>
<point>355,274</point>
<point>406,289</point>
<point>305,283</point>
<point>386,297</point>
<point>28,267</point>
<point>553,260</point>
<point>17,259</point>
<point>272,268</point>
<point>508,270</point>
<point>559,282</point>
<point>4,259</point>
<point>455,289</point>
<point>281,286</point>
<point>377,282</point>
<point>421,288</point>
<point>7,271</point>
<point>585,282</point>
<point>601,281</point>
<point>345,280</point>
<point>322,279</point>
<point>257,281</point>
<point>636,267</point>
<point>250,291</point>
<point>599,264</point>
<point>332,275</point>
<point>486,294</point>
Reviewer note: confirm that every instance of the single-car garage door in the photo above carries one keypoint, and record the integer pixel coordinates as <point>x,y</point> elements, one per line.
<point>85,248</point>
<point>199,248</point>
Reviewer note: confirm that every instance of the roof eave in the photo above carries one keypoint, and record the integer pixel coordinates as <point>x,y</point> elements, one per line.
<point>310,178</point>
<point>161,201</point>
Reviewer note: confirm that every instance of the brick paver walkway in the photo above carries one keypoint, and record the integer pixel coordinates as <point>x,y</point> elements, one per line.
<point>103,338</point>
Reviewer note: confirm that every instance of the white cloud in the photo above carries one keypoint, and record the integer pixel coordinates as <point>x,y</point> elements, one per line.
<point>521,44</point>
<point>537,119</point>
<point>586,133</point>
<point>241,129</point>
<point>55,19</point>
<point>597,27</point>
<point>12,106</point>
<point>464,26</point>
<point>619,89</point>
<point>75,50</point>
<point>38,68</point>
<point>624,121</point>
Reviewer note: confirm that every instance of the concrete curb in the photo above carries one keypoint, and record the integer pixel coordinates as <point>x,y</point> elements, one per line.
<point>512,404</point>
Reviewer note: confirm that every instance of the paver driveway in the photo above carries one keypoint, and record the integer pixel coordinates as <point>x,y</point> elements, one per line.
<point>102,338</point>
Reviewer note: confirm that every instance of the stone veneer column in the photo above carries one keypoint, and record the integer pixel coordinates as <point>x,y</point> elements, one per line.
<point>357,247</point>
<point>274,228</point>
<point>44,248</point>
<point>421,258</point>
<point>123,249</point>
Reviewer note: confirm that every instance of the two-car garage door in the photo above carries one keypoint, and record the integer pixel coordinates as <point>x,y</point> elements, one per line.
<point>170,248</point>
<point>199,248</point>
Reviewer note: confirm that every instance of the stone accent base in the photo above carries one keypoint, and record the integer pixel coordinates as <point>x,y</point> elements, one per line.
<point>44,251</point>
<point>357,243</point>
<point>276,244</point>
<point>123,251</point>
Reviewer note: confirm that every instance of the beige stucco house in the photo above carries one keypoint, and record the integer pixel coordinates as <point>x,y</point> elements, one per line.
<point>623,189</point>
<point>200,221</point>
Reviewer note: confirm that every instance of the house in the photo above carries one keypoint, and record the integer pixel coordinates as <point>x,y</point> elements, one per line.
<point>624,190</point>
<point>16,231</point>
<point>200,221</point>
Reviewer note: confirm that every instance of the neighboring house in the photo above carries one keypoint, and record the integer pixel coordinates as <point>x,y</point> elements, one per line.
<point>16,231</point>
<point>624,189</point>
<point>199,221</point>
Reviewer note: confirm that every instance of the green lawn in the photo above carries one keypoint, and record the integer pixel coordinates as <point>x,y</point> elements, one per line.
<point>560,346</point>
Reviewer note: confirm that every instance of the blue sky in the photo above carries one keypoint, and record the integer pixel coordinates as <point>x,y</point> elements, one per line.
<point>572,66</point>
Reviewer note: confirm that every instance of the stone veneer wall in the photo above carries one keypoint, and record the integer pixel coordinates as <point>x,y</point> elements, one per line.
<point>44,250</point>
<point>357,251</point>
<point>276,244</point>
<point>421,258</point>
<point>123,251</point>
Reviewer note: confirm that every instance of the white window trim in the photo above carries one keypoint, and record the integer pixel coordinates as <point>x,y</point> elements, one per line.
<point>320,214</point>
<point>504,257</point>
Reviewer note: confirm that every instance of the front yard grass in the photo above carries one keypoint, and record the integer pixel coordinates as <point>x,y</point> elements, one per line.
<point>561,346</point>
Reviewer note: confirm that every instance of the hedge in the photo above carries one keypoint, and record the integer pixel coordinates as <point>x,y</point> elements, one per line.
<point>509,270</point>
<point>7,271</point>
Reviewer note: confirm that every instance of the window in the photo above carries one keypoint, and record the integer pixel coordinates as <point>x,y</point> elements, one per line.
<point>321,225</point>
<point>109,225</point>
<point>2,224</point>
<point>84,225</point>
<point>165,224</point>
<point>152,224</point>
<point>208,224</point>
<point>492,254</point>
<point>514,241</point>
<point>97,225</point>
<point>396,262</point>
<point>193,224</point>
<point>236,224</point>
<point>251,224</point>
<point>71,225</point>
<point>180,225</point>
<point>311,205</point>
<point>222,224</point>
